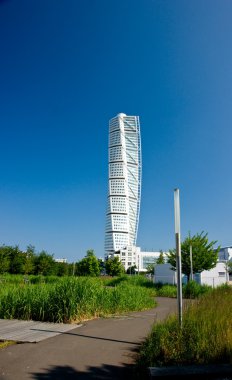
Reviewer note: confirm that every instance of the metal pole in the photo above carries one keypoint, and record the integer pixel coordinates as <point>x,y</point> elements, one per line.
<point>178,254</point>
<point>191,262</point>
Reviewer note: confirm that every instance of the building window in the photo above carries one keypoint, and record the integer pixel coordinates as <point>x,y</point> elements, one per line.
<point>221,274</point>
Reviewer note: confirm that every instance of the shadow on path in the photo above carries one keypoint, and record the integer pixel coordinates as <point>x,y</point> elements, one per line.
<point>105,372</point>
<point>94,337</point>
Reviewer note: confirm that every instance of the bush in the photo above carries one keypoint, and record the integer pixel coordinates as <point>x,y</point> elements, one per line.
<point>167,291</point>
<point>193,290</point>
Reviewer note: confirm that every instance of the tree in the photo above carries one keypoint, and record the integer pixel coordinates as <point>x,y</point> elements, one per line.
<point>89,265</point>
<point>150,268</point>
<point>204,256</point>
<point>114,267</point>
<point>29,260</point>
<point>90,253</point>
<point>4,259</point>
<point>17,260</point>
<point>71,269</point>
<point>102,266</point>
<point>45,264</point>
<point>61,269</point>
<point>161,259</point>
<point>131,270</point>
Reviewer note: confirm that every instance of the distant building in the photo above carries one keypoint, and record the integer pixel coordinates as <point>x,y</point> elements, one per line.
<point>128,256</point>
<point>146,258</point>
<point>124,184</point>
<point>133,256</point>
<point>61,260</point>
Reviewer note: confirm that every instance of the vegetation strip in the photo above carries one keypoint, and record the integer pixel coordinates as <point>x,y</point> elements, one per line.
<point>219,369</point>
<point>72,299</point>
<point>205,338</point>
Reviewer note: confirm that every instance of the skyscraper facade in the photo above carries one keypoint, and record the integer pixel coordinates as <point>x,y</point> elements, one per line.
<point>124,183</point>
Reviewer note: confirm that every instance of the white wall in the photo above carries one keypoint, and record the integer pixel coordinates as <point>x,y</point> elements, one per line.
<point>213,277</point>
<point>164,274</point>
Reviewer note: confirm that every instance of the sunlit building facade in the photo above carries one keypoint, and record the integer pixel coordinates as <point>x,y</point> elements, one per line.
<point>134,257</point>
<point>124,188</point>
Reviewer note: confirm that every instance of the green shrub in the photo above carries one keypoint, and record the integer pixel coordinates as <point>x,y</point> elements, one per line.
<point>167,291</point>
<point>193,290</point>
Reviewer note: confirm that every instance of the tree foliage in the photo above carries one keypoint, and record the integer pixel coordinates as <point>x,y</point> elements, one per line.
<point>114,267</point>
<point>4,259</point>
<point>132,269</point>
<point>15,261</point>
<point>229,265</point>
<point>29,265</point>
<point>89,265</point>
<point>151,268</point>
<point>161,259</point>
<point>204,256</point>
<point>45,264</point>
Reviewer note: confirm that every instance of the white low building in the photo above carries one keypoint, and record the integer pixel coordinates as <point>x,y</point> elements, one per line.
<point>213,277</point>
<point>164,274</point>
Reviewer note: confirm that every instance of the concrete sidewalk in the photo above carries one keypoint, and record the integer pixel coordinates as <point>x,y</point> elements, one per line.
<point>31,331</point>
<point>99,349</point>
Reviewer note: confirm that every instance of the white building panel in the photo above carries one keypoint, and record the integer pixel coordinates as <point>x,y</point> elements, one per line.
<point>124,182</point>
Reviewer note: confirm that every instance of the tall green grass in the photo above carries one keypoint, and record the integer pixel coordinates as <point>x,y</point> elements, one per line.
<point>133,280</point>
<point>32,279</point>
<point>139,280</point>
<point>190,290</point>
<point>71,299</point>
<point>206,335</point>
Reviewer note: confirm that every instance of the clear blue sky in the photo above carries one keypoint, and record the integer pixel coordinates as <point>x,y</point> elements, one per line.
<point>66,68</point>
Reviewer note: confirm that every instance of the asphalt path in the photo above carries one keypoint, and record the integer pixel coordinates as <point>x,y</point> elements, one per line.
<point>103,348</point>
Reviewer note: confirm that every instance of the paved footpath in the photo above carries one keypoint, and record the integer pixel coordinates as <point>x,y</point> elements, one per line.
<point>99,349</point>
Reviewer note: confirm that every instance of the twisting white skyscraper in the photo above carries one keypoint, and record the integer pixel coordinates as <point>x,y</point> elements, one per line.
<point>124,183</point>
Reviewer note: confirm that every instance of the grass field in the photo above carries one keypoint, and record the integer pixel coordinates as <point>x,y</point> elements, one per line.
<point>70,299</point>
<point>206,335</point>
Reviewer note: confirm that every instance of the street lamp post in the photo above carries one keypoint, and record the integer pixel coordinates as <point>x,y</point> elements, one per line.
<point>191,262</point>
<point>178,254</point>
